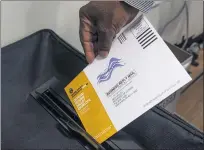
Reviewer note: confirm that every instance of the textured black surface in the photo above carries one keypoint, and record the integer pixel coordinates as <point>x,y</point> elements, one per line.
<point>158,130</point>
<point>26,65</point>
<point>26,125</point>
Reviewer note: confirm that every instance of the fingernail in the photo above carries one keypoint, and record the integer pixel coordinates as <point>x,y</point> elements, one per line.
<point>103,54</point>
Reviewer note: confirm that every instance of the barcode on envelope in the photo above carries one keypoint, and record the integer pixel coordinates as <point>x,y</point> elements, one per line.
<point>143,33</point>
<point>122,38</point>
<point>146,38</point>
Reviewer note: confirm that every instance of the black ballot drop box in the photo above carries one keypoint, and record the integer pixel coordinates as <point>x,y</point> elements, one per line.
<point>37,114</point>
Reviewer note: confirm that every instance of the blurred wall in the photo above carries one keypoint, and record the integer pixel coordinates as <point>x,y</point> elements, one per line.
<point>21,18</point>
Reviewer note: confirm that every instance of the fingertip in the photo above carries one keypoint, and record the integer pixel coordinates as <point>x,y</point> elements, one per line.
<point>89,60</point>
<point>90,57</point>
<point>103,54</point>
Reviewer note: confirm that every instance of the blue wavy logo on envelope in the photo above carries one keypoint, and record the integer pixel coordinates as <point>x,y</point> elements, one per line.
<point>106,74</point>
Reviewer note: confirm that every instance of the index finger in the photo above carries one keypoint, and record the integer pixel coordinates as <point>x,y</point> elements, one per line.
<point>86,38</point>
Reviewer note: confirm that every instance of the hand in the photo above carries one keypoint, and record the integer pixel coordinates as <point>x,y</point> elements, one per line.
<point>100,21</point>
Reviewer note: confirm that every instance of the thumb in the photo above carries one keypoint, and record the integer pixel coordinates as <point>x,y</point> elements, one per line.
<point>105,39</point>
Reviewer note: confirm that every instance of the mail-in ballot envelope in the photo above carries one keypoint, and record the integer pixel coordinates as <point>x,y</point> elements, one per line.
<point>139,72</point>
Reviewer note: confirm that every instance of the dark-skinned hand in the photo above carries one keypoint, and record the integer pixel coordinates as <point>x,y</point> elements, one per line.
<point>100,21</point>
